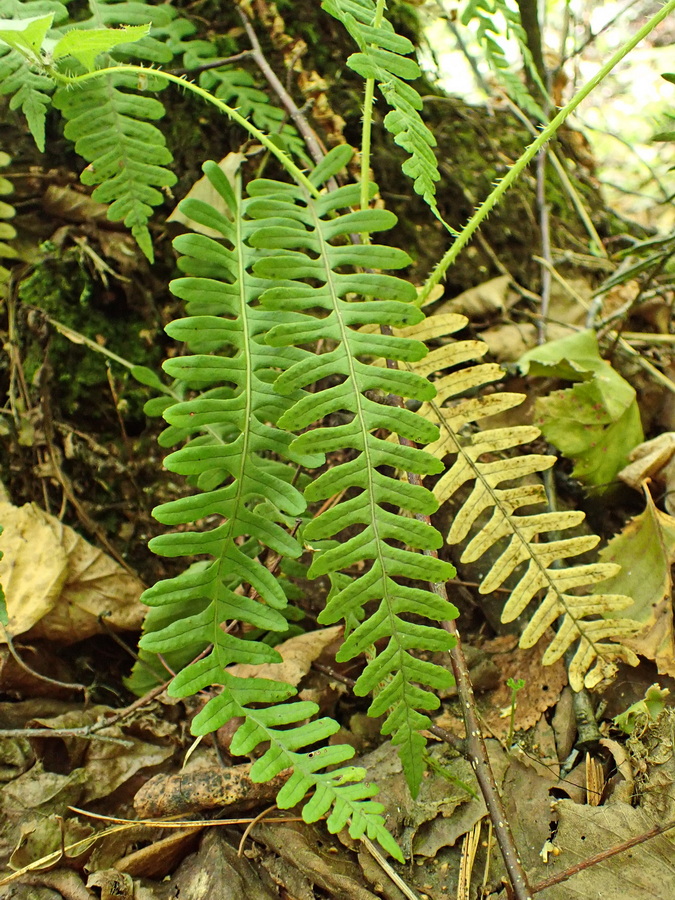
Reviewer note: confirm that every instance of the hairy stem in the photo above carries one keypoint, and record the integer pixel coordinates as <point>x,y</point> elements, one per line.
<point>259,135</point>
<point>547,133</point>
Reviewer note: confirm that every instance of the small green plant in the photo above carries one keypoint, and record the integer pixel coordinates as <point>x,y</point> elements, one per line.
<point>301,383</point>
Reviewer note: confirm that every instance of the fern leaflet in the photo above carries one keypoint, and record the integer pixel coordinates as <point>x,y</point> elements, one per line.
<point>484,12</point>
<point>588,620</point>
<point>384,56</point>
<point>382,536</point>
<point>233,368</point>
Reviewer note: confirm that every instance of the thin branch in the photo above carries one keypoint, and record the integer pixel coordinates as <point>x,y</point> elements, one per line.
<point>213,64</point>
<point>299,120</point>
<point>602,856</point>
<point>475,743</point>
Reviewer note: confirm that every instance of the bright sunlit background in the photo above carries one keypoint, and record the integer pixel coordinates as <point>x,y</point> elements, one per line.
<point>619,117</point>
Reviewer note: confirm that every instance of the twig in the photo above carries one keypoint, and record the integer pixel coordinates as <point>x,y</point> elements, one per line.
<point>83,732</point>
<point>213,64</point>
<point>602,856</point>
<point>300,122</point>
<point>395,877</point>
<point>47,680</point>
<point>251,825</point>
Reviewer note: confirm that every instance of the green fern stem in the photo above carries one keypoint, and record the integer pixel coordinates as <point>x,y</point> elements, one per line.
<point>367,126</point>
<point>547,133</point>
<point>284,159</point>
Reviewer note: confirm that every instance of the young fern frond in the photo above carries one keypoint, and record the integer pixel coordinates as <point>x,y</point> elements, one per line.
<point>252,494</point>
<point>531,546</point>
<point>384,56</point>
<point>378,531</point>
<point>111,123</point>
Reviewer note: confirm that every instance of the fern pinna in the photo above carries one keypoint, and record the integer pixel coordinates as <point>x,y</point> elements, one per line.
<point>377,518</point>
<point>232,427</point>
<point>528,543</point>
<point>384,57</point>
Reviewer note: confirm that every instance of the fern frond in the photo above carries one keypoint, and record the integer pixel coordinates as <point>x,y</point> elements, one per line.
<point>111,124</point>
<point>7,212</point>
<point>312,248</point>
<point>489,33</point>
<point>231,426</point>
<point>529,542</point>
<point>384,56</point>
<point>30,91</point>
<point>127,154</point>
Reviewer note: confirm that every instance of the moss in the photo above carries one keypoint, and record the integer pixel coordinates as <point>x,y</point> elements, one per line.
<point>65,289</point>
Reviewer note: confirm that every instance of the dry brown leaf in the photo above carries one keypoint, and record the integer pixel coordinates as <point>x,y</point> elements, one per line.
<point>647,871</point>
<point>57,584</point>
<point>33,569</point>
<point>654,460</point>
<point>298,655</point>
<point>543,686</point>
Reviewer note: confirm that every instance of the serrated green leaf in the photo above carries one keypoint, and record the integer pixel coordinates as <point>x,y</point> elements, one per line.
<point>26,36</point>
<point>86,45</point>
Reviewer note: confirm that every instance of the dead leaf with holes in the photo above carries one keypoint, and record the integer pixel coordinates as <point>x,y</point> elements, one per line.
<point>57,585</point>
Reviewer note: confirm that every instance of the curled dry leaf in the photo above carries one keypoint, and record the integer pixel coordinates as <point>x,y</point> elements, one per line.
<point>57,584</point>
<point>653,460</point>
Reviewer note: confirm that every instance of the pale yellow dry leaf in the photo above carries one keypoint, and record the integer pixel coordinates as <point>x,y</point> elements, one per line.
<point>34,566</point>
<point>298,655</point>
<point>655,460</point>
<point>57,584</point>
<point>494,295</point>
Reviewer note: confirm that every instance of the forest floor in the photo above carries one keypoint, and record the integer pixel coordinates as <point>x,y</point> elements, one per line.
<point>106,793</point>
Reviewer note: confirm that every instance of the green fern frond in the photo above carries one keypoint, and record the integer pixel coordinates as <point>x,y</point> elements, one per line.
<point>7,212</point>
<point>529,543</point>
<point>384,56</point>
<point>30,90</point>
<point>237,411</point>
<point>311,247</point>
<point>127,154</point>
<point>489,33</point>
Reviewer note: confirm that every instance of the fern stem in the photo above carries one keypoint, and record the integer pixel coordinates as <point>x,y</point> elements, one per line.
<point>547,133</point>
<point>367,125</point>
<point>259,135</point>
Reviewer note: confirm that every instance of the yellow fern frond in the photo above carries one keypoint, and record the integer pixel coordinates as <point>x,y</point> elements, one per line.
<point>529,542</point>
